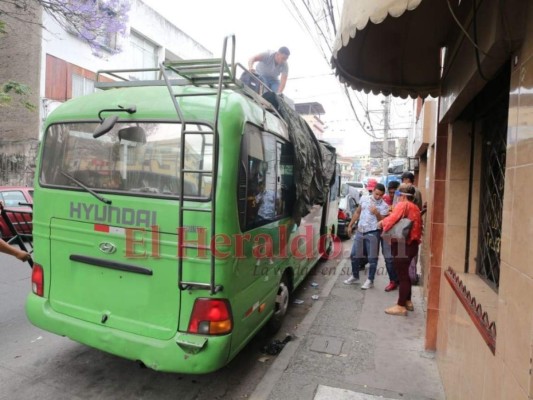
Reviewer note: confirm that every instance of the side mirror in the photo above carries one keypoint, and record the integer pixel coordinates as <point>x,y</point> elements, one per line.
<point>106,125</point>
<point>133,134</point>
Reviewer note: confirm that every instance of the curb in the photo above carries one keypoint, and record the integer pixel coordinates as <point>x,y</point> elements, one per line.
<point>280,364</point>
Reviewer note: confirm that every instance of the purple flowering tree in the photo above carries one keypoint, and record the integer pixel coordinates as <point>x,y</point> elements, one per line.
<point>97,22</point>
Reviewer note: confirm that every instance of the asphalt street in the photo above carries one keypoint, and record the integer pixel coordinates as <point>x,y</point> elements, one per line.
<point>37,364</point>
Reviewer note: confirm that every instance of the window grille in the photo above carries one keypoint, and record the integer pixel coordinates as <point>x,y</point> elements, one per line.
<point>491,195</point>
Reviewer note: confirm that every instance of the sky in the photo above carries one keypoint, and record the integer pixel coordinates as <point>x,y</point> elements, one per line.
<point>261,25</point>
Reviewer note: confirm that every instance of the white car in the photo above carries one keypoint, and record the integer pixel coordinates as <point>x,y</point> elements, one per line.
<point>354,189</point>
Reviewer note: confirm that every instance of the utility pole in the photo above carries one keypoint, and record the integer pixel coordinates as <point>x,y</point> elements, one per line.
<point>386,127</point>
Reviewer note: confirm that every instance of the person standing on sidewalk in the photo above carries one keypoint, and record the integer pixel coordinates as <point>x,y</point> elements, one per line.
<point>403,252</point>
<point>391,190</point>
<point>409,178</point>
<point>385,246</point>
<point>370,211</point>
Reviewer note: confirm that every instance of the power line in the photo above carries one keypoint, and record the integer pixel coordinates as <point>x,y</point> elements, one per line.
<point>310,76</point>
<point>322,37</point>
<point>330,9</point>
<point>303,21</point>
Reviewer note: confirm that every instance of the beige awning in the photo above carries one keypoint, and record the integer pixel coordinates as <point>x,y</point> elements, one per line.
<point>392,46</point>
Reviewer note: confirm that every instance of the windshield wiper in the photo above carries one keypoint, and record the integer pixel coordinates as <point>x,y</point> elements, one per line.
<point>82,185</point>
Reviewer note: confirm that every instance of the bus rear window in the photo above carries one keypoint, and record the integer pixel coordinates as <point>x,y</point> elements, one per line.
<point>146,163</point>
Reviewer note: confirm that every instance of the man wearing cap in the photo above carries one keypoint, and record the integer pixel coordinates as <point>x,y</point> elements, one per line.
<point>370,211</point>
<point>408,177</point>
<point>270,65</point>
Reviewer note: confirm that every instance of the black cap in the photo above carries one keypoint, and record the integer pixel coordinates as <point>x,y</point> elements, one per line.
<point>408,175</point>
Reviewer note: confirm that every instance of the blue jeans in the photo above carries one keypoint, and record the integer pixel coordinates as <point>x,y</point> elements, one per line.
<point>271,83</point>
<point>387,255</point>
<point>365,243</point>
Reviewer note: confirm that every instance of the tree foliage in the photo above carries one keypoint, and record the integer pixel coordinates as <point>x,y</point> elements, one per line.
<point>19,91</point>
<point>93,21</point>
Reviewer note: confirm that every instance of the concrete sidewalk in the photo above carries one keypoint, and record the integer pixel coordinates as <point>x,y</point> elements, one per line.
<point>348,348</point>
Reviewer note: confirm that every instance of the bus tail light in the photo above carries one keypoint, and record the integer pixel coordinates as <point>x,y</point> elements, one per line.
<point>37,280</point>
<point>211,317</point>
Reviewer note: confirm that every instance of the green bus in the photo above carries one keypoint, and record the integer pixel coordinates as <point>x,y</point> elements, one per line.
<point>164,225</point>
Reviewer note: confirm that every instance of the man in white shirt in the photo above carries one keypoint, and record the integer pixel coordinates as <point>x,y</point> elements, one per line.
<point>371,210</point>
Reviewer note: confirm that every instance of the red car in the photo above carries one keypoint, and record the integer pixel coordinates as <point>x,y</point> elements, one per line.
<point>16,198</point>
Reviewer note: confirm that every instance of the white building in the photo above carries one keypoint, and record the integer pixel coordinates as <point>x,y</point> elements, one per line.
<point>56,65</point>
<point>69,65</point>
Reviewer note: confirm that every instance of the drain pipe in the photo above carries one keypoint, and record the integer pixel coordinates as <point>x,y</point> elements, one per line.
<point>470,190</point>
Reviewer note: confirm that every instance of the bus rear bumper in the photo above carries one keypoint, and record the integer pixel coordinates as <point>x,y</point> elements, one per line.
<point>184,353</point>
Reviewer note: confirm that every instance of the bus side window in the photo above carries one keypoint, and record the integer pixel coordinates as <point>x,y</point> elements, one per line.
<point>266,188</point>
<point>267,209</point>
<point>286,178</point>
<point>334,188</point>
<point>251,178</point>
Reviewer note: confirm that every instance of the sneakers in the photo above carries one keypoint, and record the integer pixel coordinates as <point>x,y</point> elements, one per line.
<point>352,280</point>
<point>391,286</point>
<point>409,305</point>
<point>367,285</point>
<point>396,310</point>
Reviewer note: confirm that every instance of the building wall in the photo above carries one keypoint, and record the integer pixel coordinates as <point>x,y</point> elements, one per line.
<point>44,60</point>
<point>316,125</point>
<point>20,51</point>
<point>469,369</point>
<point>422,145</point>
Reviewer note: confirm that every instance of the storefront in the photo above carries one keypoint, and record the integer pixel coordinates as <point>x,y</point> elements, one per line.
<point>475,164</point>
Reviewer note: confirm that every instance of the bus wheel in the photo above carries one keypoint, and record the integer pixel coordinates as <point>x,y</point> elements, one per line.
<point>281,305</point>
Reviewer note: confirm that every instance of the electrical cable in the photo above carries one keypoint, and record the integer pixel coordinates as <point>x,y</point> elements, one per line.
<point>465,31</point>
<point>476,50</point>
<point>331,16</point>
<point>317,25</point>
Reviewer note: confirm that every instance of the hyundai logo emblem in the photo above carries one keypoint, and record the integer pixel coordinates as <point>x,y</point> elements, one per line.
<point>108,248</point>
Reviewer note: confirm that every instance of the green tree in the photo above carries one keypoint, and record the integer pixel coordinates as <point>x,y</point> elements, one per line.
<point>20,92</point>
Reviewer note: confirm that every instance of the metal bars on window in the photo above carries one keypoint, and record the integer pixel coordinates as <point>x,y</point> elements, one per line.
<point>491,195</point>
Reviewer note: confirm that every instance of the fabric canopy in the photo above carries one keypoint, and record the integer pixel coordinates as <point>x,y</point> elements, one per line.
<point>392,46</point>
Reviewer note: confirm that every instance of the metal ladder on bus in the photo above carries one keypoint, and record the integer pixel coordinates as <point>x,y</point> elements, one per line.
<point>216,74</point>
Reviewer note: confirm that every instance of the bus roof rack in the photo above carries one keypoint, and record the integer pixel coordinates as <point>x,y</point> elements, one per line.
<point>202,72</point>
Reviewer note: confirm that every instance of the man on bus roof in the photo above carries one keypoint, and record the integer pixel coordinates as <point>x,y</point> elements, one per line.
<point>270,65</point>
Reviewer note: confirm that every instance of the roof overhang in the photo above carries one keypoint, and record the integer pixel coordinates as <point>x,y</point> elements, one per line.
<point>395,47</point>
<point>392,46</point>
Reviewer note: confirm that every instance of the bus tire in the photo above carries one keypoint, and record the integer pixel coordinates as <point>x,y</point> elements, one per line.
<point>281,305</point>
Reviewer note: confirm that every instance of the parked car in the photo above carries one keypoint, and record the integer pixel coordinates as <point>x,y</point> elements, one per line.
<point>17,199</point>
<point>354,189</point>
<point>347,206</point>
